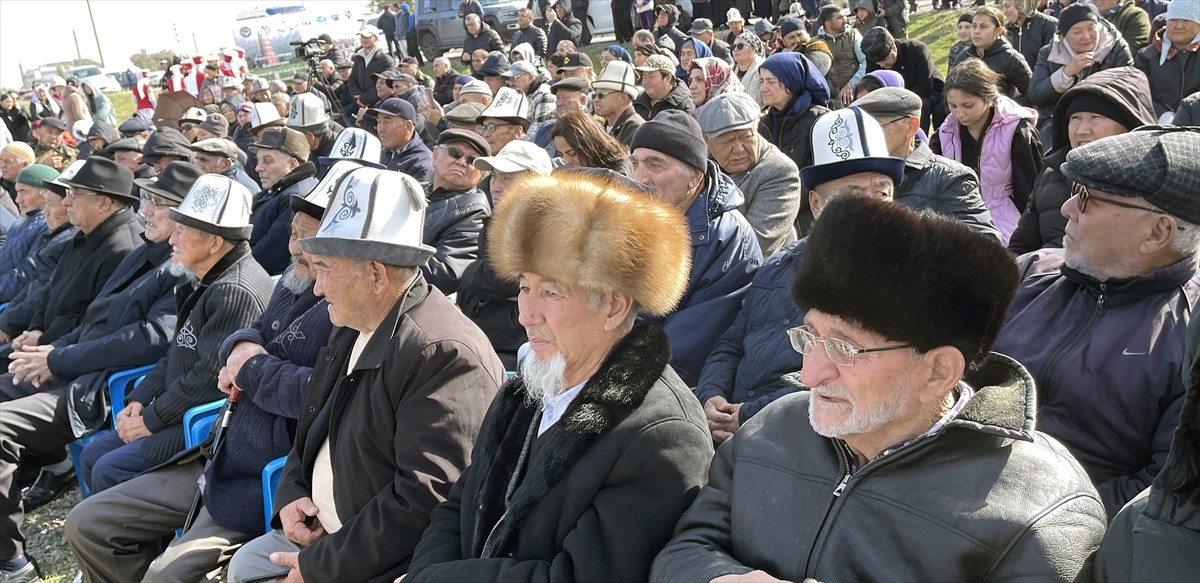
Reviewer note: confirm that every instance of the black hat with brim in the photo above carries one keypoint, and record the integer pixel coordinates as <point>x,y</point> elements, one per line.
<point>103,176</point>
<point>174,182</point>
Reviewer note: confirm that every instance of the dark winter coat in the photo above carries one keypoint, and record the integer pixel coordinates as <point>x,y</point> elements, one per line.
<point>272,218</point>
<point>37,272</point>
<point>401,426</point>
<point>1033,33</point>
<point>232,294</point>
<point>1156,537</point>
<point>82,271</point>
<point>679,98</point>
<point>413,159</point>
<point>1173,80</point>
<point>568,27</point>
<point>487,39</point>
<point>129,324</point>
<point>626,125</point>
<point>1133,22</point>
<point>915,65</point>
<point>895,17</point>
<point>533,35</point>
<point>443,91</point>
<point>791,131</point>
<point>361,84</point>
<point>1049,82</point>
<point>453,221</point>
<point>238,174</point>
<point>985,498</point>
<point>677,37</point>
<point>491,302</point>
<point>1002,58</point>
<point>1188,113</point>
<point>18,124</point>
<point>18,246</point>
<point>600,491</point>
<point>937,183</point>
<point>387,22</point>
<point>1108,361</point>
<point>725,255</point>
<point>292,329</point>
<point>754,353</point>
<point>1042,223</point>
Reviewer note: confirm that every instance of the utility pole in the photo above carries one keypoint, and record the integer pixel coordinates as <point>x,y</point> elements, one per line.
<point>94,33</point>
<point>75,35</point>
<point>195,45</point>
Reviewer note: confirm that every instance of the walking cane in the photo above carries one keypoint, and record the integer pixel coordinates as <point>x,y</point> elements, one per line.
<point>222,423</point>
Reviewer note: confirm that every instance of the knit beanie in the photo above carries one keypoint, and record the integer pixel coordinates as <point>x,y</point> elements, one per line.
<point>1097,103</point>
<point>20,150</point>
<point>676,134</point>
<point>789,25</point>
<point>36,175</point>
<point>967,17</point>
<point>1076,13</point>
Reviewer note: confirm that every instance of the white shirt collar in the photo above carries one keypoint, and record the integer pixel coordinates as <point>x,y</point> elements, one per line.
<point>554,407</point>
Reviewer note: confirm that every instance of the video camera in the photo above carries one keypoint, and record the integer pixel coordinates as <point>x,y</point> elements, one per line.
<point>307,49</point>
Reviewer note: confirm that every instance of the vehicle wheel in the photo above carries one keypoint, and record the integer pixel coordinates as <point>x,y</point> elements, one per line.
<point>429,45</point>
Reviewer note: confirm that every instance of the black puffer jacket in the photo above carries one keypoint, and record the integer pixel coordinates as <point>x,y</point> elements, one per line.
<point>568,27</point>
<point>453,222</point>
<point>490,302</point>
<point>1050,82</point>
<point>1002,58</point>
<point>1030,35</point>
<point>940,184</point>
<point>1042,224</point>
<point>361,84</point>
<point>1188,113</point>
<point>1173,80</point>
<point>679,98</point>
<point>487,39</point>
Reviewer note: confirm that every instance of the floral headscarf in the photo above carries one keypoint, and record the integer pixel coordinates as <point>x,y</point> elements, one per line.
<point>755,43</point>
<point>718,77</point>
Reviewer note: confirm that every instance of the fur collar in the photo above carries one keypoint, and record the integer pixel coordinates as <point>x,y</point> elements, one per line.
<point>614,392</point>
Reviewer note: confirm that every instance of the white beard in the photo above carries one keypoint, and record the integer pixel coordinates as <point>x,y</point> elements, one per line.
<point>178,269</point>
<point>543,378</point>
<point>861,419</point>
<point>295,283</point>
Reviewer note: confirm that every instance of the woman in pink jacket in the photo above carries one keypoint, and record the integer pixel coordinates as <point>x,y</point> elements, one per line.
<point>995,137</point>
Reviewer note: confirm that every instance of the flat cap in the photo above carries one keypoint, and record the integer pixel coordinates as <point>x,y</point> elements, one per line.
<point>134,125</point>
<point>1158,163</point>
<point>465,113</point>
<point>571,84</point>
<point>728,112</point>
<point>895,101</point>
<point>286,140</point>
<point>54,122</point>
<point>469,137</point>
<point>218,146</point>
<point>125,145</point>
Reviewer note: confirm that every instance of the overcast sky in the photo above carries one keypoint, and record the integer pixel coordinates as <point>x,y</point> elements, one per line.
<point>34,33</point>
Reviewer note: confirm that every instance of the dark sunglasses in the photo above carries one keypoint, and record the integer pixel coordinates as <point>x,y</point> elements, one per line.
<point>1083,195</point>
<point>458,153</point>
<point>739,46</point>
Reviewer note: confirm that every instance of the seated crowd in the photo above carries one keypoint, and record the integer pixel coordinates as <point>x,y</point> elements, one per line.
<point>790,307</point>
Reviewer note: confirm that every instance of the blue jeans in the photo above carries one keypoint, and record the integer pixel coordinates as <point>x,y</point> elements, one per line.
<point>108,461</point>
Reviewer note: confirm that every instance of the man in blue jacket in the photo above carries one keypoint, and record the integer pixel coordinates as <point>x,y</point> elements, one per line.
<point>271,362</point>
<point>284,170</point>
<point>1101,323</point>
<point>670,157</point>
<point>128,324</point>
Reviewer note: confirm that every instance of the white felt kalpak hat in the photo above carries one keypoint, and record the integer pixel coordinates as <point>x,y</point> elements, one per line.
<point>848,141</point>
<point>263,115</point>
<point>316,201</point>
<point>306,111</point>
<point>356,145</point>
<point>377,215</point>
<point>218,205</point>
<point>509,104</point>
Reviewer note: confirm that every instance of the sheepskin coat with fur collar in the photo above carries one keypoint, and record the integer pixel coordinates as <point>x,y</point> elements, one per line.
<point>598,493</point>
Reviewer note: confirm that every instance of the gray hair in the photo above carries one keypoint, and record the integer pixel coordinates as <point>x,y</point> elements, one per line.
<point>1187,238</point>
<point>472,17</point>
<point>593,304</point>
<point>644,35</point>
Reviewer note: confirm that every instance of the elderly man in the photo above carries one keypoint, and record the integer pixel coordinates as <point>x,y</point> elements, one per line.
<point>189,121</point>
<point>50,148</point>
<point>457,208</point>
<point>285,170</point>
<point>14,157</point>
<point>403,149</point>
<point>129,324</point>
<point>573,64</point>
<point>912,424</point>
<point>1112,306</point>
<point>99,204</point>
<point>615,90</point>
<point>220,156</point>
<point>307,115</point>
<point>229,291</point>
<point>747,369</point>
<point>214,126</point>
<point>570,94</point>
<point>662,90</point>
<point>114,533</point>
<point>702,31</point>
<point>444,80</point>
<point>933,182</point>
<point>588,456</point>
<point>22,235</point>
<point>768,179</point>
<point>506,119</point>
<point>392,411</point>
<point>670,157</point>
<point>165,146</point>
<point>487,299</point>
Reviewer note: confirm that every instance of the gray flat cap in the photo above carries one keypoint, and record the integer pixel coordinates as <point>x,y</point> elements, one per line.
<point>890,101</point>
<point>728,112</point>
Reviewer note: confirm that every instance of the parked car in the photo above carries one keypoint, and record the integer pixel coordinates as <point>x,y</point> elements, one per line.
<point>439,28</point>
<point>93,75</point>
<point>598,21</point>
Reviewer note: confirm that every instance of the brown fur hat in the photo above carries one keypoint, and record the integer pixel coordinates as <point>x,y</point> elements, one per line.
<point>584,231</point>
<point>922,279</point>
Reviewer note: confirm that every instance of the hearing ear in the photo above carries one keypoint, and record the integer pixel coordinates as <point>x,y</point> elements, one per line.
<point>618,309</point>
<point>1160,234</point>
<point>946,368</point>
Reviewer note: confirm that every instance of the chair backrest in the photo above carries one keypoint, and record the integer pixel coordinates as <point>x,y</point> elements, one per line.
<point>270,481</point>
<point>118,383</point>
<point>198,422</point>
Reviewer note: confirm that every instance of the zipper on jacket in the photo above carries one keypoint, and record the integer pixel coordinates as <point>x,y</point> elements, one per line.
<point>1048,370</point>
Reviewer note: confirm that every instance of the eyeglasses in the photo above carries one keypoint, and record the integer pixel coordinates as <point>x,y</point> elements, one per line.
<point>73,192</point>
<point>601,94</point>
<point>457,153</point>
<point>1083,195</point>
<point>154,203</point>
<point>740,46</point>
<point>184,127</point>
<point>899,119</point>
<point>130,134</point>
<point>839,351</point>
<point>491,127</point>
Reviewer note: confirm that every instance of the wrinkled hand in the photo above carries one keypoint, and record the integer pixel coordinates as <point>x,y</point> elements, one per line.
<point>751,577</point>
<point>27,338</point>
<point>1079,63</point>
<point>31,364</point>
<point>5,338</point>
<point>130,423</point>
<point>289,560</point>
<point>242,351</point>
<point>722,417</point>
<point>300,524</point>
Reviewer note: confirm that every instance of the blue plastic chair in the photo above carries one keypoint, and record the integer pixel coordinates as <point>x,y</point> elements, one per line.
<point>2,306</point>
<point>198,422</point>
<point>270,481</point>
<point>118,383</point>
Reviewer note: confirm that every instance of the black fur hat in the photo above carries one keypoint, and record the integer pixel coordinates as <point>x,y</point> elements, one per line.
<point>923,279</point>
